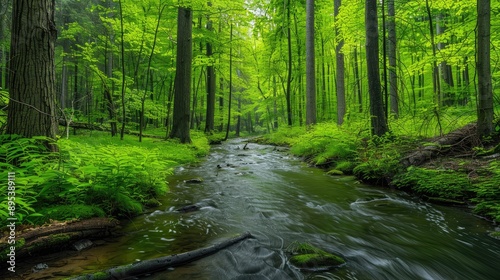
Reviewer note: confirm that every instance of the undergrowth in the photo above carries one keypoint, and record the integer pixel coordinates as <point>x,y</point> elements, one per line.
<point>91,175</point>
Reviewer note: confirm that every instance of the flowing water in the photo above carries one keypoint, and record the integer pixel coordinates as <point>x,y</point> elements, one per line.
<point>382,234</point>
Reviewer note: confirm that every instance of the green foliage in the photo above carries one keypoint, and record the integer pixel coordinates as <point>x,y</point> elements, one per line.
<point>325,144</point>
<point>119,178</point>
<point>90,176</point>
<point>30,163</point>
<point>446,184</point>
<point>488,193</point>
<point>379,159</point>
<point>67,212</point>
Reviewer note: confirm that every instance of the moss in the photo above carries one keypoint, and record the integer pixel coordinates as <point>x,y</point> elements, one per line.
<point>67,212</point>
<point>445,184</point>
<point>306,256</point>
<point>316,261</point>
<point>495,234</point>
<point>50,242</point>
<point>6,248</point>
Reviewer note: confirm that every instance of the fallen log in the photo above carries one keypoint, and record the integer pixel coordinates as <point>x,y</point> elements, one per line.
<point>45,239</point>
<point>162,263</point>
<point>102,224</point>
<point>464,137</point>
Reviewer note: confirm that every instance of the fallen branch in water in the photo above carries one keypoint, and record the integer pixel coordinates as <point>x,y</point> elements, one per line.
<point>161,263</point>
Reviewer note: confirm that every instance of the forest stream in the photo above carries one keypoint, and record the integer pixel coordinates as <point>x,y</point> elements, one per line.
<point>381,233</point>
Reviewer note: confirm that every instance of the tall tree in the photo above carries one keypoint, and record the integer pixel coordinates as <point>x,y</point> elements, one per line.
<point>377,115</point>
<point>485,98</point>
<point>340,73</point>
<point>182,95</point>
<point>288,93</point>
<point>310,65</point>
<point>32,109</point>
<point>393,78</point>
<point>210,113</point>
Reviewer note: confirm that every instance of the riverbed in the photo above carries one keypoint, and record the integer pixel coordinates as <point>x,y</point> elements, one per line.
<point>381,233</point>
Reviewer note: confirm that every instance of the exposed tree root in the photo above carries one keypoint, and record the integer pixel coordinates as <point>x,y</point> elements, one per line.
<point>162,263</point>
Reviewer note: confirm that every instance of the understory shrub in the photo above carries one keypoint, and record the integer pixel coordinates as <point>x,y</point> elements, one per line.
<point>27,163</point>
<point>116,178</point>
<point>95,175</point>
<point>326,144</point>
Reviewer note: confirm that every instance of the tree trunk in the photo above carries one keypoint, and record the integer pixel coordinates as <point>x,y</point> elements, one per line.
<point>358,80</point>
<point>180,126</point>
<point>210,113</point>
<point>435,70</point>
<point>310,65</point>
<point>288,92</point>
<point>485,95</point>
<point>340,73</point>
<point>230,81</point>
<point>377,114</point>
<point>393,78</point>
<point>32,108</point>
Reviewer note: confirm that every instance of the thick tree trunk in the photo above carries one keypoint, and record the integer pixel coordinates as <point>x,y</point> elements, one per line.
<point>180,126</point>
<point>485,110</point>
<point>377,114</point>
<point>310,65</point>
<point>162,263</point>
<point>32,109</point>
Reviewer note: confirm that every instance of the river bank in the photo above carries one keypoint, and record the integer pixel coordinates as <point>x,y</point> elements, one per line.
<point>455,169</point>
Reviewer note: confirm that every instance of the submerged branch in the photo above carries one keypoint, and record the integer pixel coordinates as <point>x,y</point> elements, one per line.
<point>162,263</point>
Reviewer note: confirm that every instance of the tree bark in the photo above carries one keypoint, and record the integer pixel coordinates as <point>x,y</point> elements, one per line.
<point>180,126</point>
<point>377,114</point>
<point>32,108</point>
<point>310,65</point>
<point>485,110</point>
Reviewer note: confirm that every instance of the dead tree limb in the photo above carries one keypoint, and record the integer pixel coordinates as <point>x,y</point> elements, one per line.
<point>162,263</point>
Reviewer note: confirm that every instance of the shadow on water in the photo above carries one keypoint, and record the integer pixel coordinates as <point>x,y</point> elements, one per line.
<point>382,234</point>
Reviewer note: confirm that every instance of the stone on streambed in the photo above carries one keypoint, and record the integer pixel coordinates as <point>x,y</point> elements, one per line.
<point>194,181</point>
<point>306,257</point>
